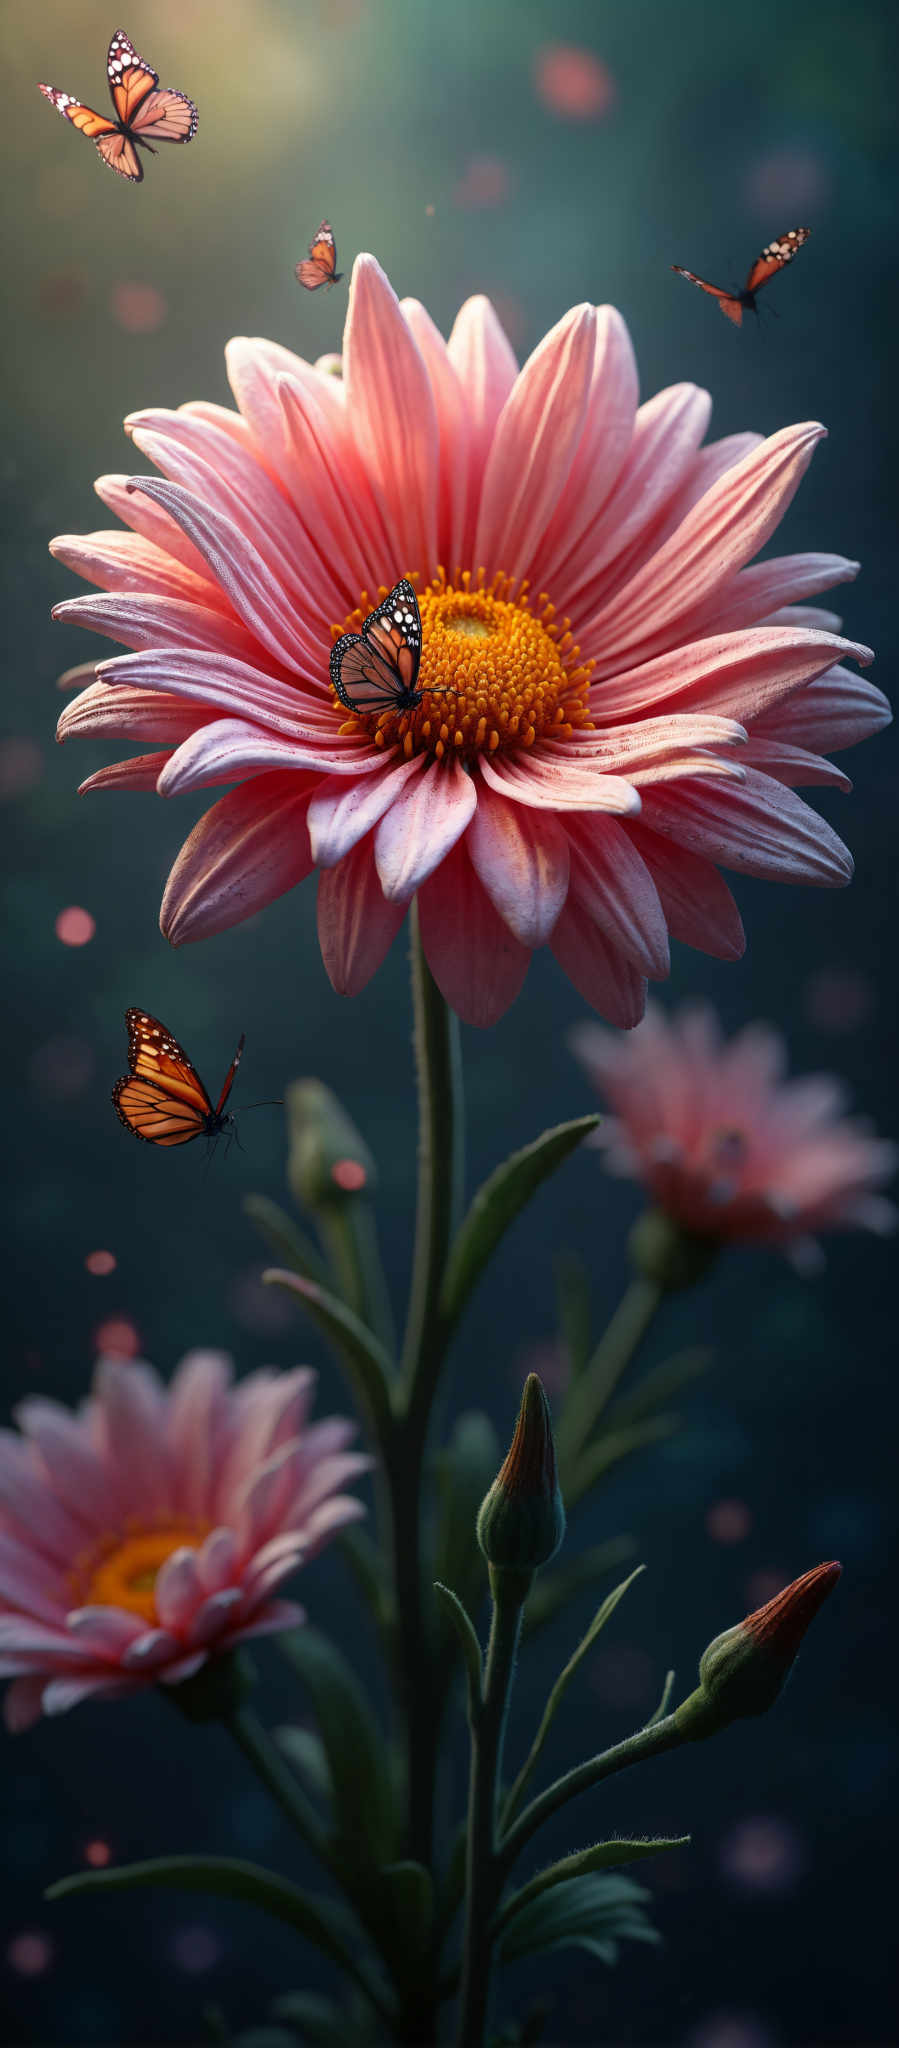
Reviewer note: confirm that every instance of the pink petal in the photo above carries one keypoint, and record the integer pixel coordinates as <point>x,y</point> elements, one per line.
<point>28,1582</point>
<point>728,526</point>
<point>756,827</point>
<point>740,674</point>
<point>522,862</point>
<point>24,1703</point>
<point>603,975</point>
<point>749,598</point>
<point>611,882</point>
<point>155,1647</point>
<point>836,711</point>
<point>424,822</point>
<point>793,765</point>
<point>329,477</point>
<point>139,772</point>
<point>217,1559</point>
<point>103,1631</point>
<point>813,616</point>
<point>64,1693</point>
<point>534,445</point>
<point>255,369</point>
<point>178,1590</point>
<point>234,750</point>
<point>32,1507</point>
<point>604,444</point>
<point>258,596</point>
<point>667,433</point>
<point>543,781</point>
<point>332,1515</point>
<point>123,562</point>
<point>273,1620</point>
<point>356,925</point>
<point>452,431</point>
<point>133,1417</point>
<point>476,962</point>
<point>184,1667</point>
<point>144,620</point>
<point>26,1645</point>
<point>486,368</point>
<point>698,906</point>
<point>213,1617</point>
<point>391,407</point>
<point>197,1417</point>
<point>155,525</point>
<point>101,713</point>
<point>339,817</point>
<point>250,848</point>
<point>81,1480</point>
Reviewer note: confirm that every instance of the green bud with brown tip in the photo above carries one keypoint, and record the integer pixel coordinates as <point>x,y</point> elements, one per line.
<point>743,1670</point>
<point>521,1521</point>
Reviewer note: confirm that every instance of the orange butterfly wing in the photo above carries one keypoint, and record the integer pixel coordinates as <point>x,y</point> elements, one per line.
<point>130,77</point>
<point>778,254</point>
<point>119,153</point>
<point>153,1114</point>
<point>81,117</point>
<point>728,301</point>
<point>154,1055</point>
<point>320,267</point>
<point>165,116</point>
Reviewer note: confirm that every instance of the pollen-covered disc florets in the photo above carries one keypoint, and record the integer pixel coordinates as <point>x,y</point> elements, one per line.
<point>495,673</point>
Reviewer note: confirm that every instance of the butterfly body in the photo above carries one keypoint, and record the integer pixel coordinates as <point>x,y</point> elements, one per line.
<point>162,1098</point>
<point>377,669</point>
<point>144,115</point>
<point>774,258</point>
<point>319,267</point>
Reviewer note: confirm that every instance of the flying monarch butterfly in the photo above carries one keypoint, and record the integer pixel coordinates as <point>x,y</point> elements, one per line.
<point>163,1099</point>
<point>318,267</point>
<point>143,114</point>
<point>377,669</point>
<point>777,255</point>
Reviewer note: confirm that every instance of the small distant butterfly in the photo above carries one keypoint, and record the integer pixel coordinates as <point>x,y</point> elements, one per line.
<point>318,267</point>
<point>377,669</point>
<point>144,115</point>
<point>777,255</point>
<point>162,1099</point>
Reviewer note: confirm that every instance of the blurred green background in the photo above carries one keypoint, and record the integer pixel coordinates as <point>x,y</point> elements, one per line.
<point>460,147</point>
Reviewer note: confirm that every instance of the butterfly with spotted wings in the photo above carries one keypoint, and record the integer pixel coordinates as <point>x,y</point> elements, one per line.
<point>162,1099</point>
<point>377,669</point>
<point>319,267</point>
<point>143,114</point>
<point>778,254</point>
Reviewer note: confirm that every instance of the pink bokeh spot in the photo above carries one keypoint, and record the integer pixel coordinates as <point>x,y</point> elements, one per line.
<point>21,766</point>
<point>138,307</point>
<point>97,1853</point>
<point>30,1953</point>
<point>725,1143</point>
<point>117,1337</point>
<point>573,82</point>
<point>74,926</point>
<point>676,696</point>
<point>100,1263</point>
<point>349,1175</point>
<point>728,1521</point>
<point>486,182</point>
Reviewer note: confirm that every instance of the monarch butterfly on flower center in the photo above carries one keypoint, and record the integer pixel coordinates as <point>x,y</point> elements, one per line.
<point>377,669</point>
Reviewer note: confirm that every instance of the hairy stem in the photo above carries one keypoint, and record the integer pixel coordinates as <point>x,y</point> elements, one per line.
<point>483,1878</point>
<point>649,1741</point>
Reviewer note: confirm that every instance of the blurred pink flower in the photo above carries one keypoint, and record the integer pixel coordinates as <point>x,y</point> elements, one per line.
<point>573,82</point>
<point>724,1143</point>
<point>604,644</point>
<point>149,1532</point>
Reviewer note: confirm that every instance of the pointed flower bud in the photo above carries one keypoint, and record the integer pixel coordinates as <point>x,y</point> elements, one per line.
<point>521,1521</point>
<point>742,1671</point>
<point>328,1162</point>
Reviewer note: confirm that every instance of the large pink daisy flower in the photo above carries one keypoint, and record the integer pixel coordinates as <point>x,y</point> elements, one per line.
<point>581,567</point>
<point>725,1144</point>
<point>149,1532</point>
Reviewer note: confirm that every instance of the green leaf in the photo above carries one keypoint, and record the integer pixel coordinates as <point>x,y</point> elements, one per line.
<point>285,1239</point>
<point>464,1471</point>
<point>368,1568</point>
<point>602,1615</point>
<point>555,1588</point>
<point>591,1912</point>
<point>611,1447</point>
<point>658,1386</point>
<point>573,1308</point>
<point>306,1751</point>
<point>585,1862</point>
<point>321,1921</point>
<point>321,2023</point>
<point>467,1635</point>
<point>497,1203</point>
<point>411,1894</point>
<point>367,1363</point>
<point>354,1745</point>
<point>662,1708</point>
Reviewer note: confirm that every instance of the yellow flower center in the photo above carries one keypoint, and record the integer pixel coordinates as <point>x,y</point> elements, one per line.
<point>121,1570</point>
<point>494,674</point>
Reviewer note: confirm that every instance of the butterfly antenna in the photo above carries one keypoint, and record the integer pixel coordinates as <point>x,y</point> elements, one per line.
<point>274,1102</point>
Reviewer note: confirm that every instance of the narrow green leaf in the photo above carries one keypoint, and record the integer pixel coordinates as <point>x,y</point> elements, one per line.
<point>573,1307</point>
<point>321,2023</point>
<point>285,1239</point>
<point>497,1203</point>
<point>321,1921</point>
<point>610,1448</point>
<point>354,1745</point>
<point>411,1893</point>
<point>466,1632</point>
<point>584,1863</point>
<point>593,1912</point>
<point>658,1386</point>
<point>662,1708</point>
<point>464,1471</point>
<point>306,1751</point>
<point>562,1683</point>
<point>555,1588</point>
<point>365,1359</point>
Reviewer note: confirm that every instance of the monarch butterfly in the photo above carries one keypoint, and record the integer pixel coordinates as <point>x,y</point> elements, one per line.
<point>144,115</point>
<point>377,669</point>
<point>163,1099</point>
<point>318,267</point>
<point>777,255</point>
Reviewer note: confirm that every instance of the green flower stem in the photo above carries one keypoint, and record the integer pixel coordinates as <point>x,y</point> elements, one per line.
<point>348,1233</point>
<point>278,1779</point>
<point>483,1880</point>
<point>647,1742</point>
<point>591,1391</point>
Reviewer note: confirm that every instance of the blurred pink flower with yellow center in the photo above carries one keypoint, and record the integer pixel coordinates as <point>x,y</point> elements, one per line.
<point>151,1531</point>
<point>601,645</point>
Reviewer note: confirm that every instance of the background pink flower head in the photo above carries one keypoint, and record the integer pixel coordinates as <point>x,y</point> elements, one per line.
<point>151,1530</point>
<point>724,1143</point>
<point>586,576</point>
